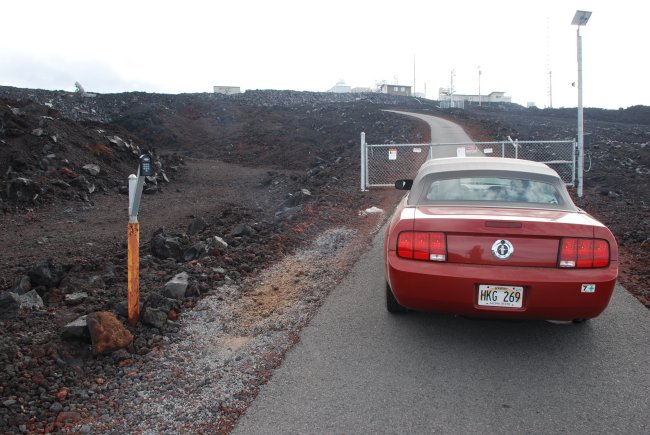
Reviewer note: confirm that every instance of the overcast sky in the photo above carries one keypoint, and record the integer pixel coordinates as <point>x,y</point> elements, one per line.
<point>191,46</point>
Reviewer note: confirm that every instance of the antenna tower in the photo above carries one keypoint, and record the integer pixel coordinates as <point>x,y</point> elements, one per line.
<point>548,63</point>
<point>414,75</point>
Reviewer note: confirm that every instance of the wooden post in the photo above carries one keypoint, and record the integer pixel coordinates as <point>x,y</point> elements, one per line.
<point>134,272</point>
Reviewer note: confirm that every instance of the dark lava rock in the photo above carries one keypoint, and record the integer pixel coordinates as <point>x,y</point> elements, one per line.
<point>23,190</point>
<point>46,274</point>
<point>198,225</point>
<point>77,329</point>
<point>82,182</point>
<point>155,317</point>
<point>75,298</point>
<point>164,246</point>
<point>23,285</point>
<point>196,251</point>
<point>243,230</point>
<point>158,301</point>
<point>9,303</point>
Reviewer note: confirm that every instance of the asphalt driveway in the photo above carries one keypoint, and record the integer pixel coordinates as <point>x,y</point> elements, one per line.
<point>359,369</point>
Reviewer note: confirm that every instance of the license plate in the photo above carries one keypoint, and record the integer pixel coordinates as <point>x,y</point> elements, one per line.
<point>500,296</point>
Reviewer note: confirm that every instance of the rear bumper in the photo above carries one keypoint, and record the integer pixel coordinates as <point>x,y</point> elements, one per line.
<point>453,288</point>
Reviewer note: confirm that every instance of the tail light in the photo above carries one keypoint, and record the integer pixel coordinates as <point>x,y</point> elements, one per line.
<point>420,245</point>
<point>583,253</point>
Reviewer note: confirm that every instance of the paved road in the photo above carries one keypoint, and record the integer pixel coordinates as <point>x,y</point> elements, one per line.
<point>442,131</point>
<point>358,369</point>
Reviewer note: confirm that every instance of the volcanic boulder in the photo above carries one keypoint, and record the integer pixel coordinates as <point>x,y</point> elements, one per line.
<point>46,274</point>
<point>107,333</point>
<point>23,190</point>
<point>198,225</point>
<point>165,246</point>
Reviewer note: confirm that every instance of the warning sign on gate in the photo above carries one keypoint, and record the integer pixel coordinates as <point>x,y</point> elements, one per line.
<point>392,154</point>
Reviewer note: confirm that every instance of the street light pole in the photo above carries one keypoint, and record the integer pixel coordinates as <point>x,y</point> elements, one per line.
<point>479,85</point>
<point>451,90</point>
<point>581,144</point>
<point>580,19</point>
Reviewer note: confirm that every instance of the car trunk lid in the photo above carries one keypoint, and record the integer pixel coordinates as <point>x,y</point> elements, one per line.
<point>497,236</point>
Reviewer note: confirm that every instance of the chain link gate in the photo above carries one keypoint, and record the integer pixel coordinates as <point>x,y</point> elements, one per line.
<point>383,164</point>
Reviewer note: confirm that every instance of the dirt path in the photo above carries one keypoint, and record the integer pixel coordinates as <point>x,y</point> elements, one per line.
<point>73,230</point>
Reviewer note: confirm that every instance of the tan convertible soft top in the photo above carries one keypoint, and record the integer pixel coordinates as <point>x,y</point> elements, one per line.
<point>505,167</point>
<point>449,164</point>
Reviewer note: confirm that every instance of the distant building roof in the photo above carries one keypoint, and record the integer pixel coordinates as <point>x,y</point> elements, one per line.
<point>340,88</point>
<point>492,97</point>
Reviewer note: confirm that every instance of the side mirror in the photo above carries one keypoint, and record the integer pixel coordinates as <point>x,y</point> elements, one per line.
<point>403,184</point>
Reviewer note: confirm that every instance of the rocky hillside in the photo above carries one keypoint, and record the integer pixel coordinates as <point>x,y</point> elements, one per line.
<point>242,183</point>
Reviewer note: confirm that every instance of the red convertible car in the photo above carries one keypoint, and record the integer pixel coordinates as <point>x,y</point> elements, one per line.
<point>496,237</point>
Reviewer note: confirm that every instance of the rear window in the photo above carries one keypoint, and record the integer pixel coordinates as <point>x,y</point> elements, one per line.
<point>493,189</point>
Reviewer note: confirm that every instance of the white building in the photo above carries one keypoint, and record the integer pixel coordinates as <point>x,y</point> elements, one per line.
<point>492,97</point>
<point>340,88</point>
<point>228,90</point>
<point>395,89</point>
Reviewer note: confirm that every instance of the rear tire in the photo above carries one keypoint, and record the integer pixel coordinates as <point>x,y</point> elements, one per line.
<point>392,305</point>
<point>578,321</point>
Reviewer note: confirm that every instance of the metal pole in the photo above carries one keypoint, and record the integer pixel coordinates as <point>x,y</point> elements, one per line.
<point>451,90</point>
<point>363,162</point>
<point>133,246</point>
<point>479,85</point>
<point>581,160</point>
<point>413,76</point>
<point>550,89</point>
<point>515,145</point>
<point>573,161</point>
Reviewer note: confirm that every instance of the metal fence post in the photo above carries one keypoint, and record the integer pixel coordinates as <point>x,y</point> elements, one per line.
<point>363,161</point>
<point>580,168</point>
<point>515,146</point>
